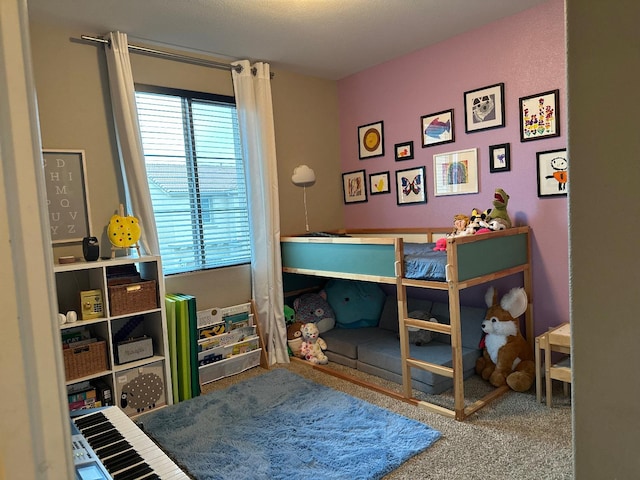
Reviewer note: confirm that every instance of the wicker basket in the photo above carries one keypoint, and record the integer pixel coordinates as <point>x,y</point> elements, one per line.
<point>85,359</point>
<point>133,297</point>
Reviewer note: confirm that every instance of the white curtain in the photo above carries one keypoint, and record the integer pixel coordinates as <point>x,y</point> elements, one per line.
<point>252,88</point>
<point>125,114</point>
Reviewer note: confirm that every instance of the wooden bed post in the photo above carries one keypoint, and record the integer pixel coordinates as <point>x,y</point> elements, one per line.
<point>456,332</point>
<point>528,288</point>
<point>401,294</point>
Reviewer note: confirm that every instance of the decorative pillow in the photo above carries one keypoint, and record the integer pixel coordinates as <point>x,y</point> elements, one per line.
<point>314,308</point>
<point>356,304</point>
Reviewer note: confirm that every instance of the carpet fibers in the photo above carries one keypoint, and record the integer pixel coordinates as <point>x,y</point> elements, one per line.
<point>281,426</point>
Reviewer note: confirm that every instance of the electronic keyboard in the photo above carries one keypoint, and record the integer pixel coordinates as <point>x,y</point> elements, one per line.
<point>106,439</point>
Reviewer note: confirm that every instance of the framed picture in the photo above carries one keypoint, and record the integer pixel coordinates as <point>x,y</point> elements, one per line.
<point>499,158</point>
<point>553,177</point>
<point>404,151</point>
<point>67,199</point>
<point>410,186</point>
<point>539,116</point>
<point>370,140</point>
<point>354,187</point>
<point>379,183</point>
<point>455,173</point>
<point>484,108</point>
<point>437,128</point>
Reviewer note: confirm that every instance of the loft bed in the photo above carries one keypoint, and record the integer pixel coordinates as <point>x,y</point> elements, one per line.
<point>393,257</point>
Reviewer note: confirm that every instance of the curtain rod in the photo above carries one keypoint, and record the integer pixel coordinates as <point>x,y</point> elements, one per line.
<point>174,56</point>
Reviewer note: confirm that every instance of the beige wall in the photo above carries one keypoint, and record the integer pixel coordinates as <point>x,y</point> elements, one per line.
<point>73,98</point>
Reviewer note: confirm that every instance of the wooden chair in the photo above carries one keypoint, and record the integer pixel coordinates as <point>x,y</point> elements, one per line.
<point>557,339</point>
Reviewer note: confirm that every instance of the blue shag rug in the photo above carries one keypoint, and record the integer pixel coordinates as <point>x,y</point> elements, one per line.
<point>281,426</point>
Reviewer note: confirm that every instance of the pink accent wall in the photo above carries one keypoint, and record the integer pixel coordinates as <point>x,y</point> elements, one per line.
<point>526,52</point>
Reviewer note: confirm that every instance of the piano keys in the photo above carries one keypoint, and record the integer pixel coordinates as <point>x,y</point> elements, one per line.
<point>124,450</point>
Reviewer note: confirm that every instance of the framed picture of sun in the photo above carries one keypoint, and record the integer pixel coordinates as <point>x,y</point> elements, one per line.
<point>370,140</point>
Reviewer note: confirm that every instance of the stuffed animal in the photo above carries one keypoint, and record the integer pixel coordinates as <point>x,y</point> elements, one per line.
<point>507,357</point>
<point>289,315</point>
<point>499,211</point>
<point>294,338</point>
<point>314,308</point>
<point>357,304</point>
<point>441,245</point>
<point>460,222</point>
<point>477,221</point>
<point>312,345</point>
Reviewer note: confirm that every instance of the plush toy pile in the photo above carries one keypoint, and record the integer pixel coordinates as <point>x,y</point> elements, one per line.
<point>490,220</point>
<point>507,357</point>
<point>310,316</point>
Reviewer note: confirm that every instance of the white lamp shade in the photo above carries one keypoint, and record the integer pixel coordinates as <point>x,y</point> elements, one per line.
<point>303,176</point>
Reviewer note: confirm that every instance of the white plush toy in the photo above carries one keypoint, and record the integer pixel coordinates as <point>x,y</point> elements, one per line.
<point>312,345</point>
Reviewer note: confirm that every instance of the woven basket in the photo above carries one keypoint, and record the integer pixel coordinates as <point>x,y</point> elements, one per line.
<point>85,359</point>
<point>133,297</point>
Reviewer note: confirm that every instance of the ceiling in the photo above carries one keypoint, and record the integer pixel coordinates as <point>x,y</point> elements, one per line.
<point>329,39</point>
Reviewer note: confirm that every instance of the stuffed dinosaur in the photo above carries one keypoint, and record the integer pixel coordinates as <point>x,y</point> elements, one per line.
<point>499,211</point>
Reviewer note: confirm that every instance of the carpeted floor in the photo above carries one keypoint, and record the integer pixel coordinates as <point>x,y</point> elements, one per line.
<point>511,438</point>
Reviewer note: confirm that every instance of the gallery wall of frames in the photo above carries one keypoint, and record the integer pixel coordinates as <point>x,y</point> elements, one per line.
<point>455,172</point>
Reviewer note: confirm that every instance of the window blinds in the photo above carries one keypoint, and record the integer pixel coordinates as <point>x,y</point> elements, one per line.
<point>196,178</point>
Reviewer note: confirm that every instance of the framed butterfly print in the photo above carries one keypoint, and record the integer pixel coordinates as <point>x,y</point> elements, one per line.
<point>354,187</point>
<point>379,183</point>
<point>455,173</point>
<point>410,186</point>
<point>499,158</point>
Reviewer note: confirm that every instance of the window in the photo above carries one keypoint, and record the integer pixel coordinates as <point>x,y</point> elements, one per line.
<point>196,178</point>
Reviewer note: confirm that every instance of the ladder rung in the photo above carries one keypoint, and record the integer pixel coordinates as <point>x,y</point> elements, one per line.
<point>431,367</point>
<point>427,325</point>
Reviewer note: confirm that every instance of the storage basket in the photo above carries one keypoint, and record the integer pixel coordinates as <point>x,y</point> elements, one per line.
<point>85,359</point>
<point>132,297</point>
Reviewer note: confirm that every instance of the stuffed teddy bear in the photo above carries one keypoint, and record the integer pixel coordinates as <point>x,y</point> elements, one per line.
<point>314,308</point>
<point>499,210</point>
<point>294,338</point>
<point>312,345</point>
<point>507,357</point>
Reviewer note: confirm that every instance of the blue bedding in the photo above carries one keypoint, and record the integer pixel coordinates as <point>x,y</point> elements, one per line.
<point>421,262</point>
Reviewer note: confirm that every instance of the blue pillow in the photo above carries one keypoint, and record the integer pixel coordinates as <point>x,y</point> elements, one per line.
<point>356,304</point>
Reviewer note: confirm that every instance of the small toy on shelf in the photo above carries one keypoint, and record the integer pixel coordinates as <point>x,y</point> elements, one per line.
<point>124,232</point>
<point>312,345</point>
<point>507,357</point>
